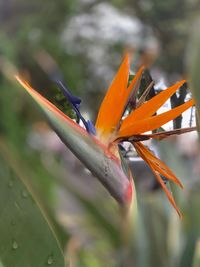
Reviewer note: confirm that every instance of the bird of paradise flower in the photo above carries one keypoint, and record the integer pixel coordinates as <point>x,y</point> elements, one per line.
<point>98,146</point>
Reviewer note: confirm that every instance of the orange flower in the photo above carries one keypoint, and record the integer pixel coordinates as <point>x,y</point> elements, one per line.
<point>112,128</point>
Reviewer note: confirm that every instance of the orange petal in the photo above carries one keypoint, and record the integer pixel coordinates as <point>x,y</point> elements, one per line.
<point>150,107</point>
<point>159,165</point>
<point>115,100</point>
<point>152,123</point>
<point>43,100</point>
<point>167,192</point>
<point>159,179</point>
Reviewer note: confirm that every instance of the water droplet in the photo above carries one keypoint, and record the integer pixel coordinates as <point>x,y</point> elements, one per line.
<point>2,247</point>
<point>10,183</point>
<point>13,223</point>
<point>24,194</point>
<point>14,245</point>
<point>50,259</point>
<point>17,205</point>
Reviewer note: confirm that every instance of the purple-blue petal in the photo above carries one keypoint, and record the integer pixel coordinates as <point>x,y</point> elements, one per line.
<point>75,102</point>
<point>91,128</point>
<point>71,98</point>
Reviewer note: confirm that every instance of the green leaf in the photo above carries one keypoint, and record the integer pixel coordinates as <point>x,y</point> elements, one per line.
<point>196,261</point>
<point>27,239</point>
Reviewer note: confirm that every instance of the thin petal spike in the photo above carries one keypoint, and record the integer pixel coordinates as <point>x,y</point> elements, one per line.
<point>134,85</point>
<point>167,192</point>
<point>153,158</point>
<point>159,179</point>
<point>163,135</point>
<point>144,95</point>
<point>150,107</point>
<point>159,166</point>
<point>152,123</point>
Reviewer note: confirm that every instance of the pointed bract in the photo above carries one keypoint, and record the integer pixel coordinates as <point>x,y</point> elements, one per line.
<point>94,155</point>
<point>43,101</point>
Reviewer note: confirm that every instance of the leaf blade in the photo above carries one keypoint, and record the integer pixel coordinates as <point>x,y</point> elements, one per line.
<point>23,225</point>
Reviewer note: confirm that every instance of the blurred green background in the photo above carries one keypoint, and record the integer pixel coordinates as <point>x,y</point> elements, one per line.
<point>83,41</point>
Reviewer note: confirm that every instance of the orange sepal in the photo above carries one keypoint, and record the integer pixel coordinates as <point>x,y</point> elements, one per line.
<point>167,192</point>
<point>149,124</point>
<point>158,165</point>
<point>115,100</point>
<point>108,116</point>
<point>150,107</point>
<point>159,179</point>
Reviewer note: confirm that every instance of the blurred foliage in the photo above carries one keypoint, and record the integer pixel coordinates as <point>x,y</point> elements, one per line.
<point>171,23</point>
<point>19,211</point>
<point>193,61</point>
<point>89,227</point>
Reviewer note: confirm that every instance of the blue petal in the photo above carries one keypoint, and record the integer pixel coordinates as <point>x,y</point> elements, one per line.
<point>75,102</point>
<point>90,127</point>
<point>71,98</point>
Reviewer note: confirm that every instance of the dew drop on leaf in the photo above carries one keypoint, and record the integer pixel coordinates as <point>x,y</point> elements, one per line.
<point>10,183</point>
<point>50,260</point>
<point>24,194</point>
<point>14,245</point>
<point>13,223</point>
